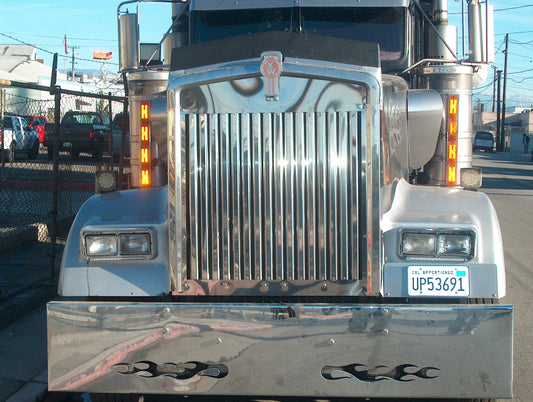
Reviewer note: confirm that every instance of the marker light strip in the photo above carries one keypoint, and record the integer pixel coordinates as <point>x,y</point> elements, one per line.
<point>145,144</point>
<point>451,171</point>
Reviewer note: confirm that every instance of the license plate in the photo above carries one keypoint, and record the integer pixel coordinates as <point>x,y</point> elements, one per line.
<point>438,281</point>
<point>67,145</point>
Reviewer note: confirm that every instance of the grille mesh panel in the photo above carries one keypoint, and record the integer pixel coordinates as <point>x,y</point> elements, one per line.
<point>272,196</point>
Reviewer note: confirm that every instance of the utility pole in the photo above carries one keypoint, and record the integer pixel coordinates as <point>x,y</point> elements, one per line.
<point>74,53</point>
<point>498,125</point>
<point>504,89</point>
<point>494,88</point>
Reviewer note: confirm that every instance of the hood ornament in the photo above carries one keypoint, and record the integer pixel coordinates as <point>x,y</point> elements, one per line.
<point>271,66</point>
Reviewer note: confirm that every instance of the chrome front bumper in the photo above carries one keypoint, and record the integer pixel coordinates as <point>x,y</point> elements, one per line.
<point>281,350</point>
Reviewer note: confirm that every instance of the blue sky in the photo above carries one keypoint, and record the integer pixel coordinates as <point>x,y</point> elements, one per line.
<point>92,25</point>
<point>88,26</point>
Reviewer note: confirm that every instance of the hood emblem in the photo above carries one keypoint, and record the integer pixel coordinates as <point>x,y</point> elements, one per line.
<point>271,69</point>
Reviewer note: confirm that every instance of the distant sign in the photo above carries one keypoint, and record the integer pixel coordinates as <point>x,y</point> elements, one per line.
<point>102,55</point>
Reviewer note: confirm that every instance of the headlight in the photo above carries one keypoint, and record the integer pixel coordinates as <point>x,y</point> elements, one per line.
<point>456,245</point>
<point>118,245</point>
<point>419,244</point>
<point>437,243</point>
<point>101,245</point>
<point>135,244</point>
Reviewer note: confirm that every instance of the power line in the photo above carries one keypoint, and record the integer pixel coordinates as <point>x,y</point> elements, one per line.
<point>520,43</point>
<point>503,34</point>
<point>522,71</point>
<point>500,9</point>
<point>514,8</point>
<point>514,33</point>
<point>60,37</point>
<point>520,55</point>
<point>520,81</point>
<point>53,45</point>
<point>48,51</point>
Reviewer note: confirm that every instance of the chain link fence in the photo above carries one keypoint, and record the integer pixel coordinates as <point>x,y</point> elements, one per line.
<point>41,191</point>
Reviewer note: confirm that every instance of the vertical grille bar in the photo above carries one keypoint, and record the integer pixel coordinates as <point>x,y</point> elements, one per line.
<point>273,196</point>
<point>257,236</point>
<point>211,207</point>
<point>280,213</point>
<point>300,199</point>
<point>269,211</point>
<point>236,190</point>
<point>195,194</point>
<point>204,205</point>
<point>343,207</point>
<point>310,189</point>
<point>321,196</point>
<point>225,197</point>
<point>246,196</point>
<point>289,229</point>
<point>353,194</point>
<point>332,196</point>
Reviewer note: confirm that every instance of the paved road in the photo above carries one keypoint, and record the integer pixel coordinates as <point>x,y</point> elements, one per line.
<point>508,180</point>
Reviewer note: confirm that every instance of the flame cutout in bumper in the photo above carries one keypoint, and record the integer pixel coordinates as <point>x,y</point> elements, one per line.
<point>378,373</point>
<point>181,371</point>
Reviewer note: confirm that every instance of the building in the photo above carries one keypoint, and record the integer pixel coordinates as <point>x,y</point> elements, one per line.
<point>20,63</point>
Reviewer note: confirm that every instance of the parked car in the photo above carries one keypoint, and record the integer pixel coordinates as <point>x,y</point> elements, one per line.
<point>119,123</point>
<point>80,132</point>
<point>37,122</point>
<point>483,140</point>
<point>18,138</point>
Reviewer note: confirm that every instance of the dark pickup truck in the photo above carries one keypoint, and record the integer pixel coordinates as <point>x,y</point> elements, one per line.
<point>80,132</point>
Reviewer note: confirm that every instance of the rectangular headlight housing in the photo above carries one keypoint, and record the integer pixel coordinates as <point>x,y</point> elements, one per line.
<point>452,244</point>
<point>117,245</point>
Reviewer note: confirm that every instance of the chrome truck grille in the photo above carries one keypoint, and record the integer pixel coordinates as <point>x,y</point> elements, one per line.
<point>273,196</point>
<point>269,201</point>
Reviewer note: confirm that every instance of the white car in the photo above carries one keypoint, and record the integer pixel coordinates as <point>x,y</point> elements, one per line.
<point>484,141</point>
<point>17,137</point>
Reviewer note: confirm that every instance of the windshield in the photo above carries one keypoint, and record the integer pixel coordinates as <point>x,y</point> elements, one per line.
<point>83,118</point>
<point>7,122</point>
<point>484,136</point>
<point>384,25</point>
<point>220,24</point>
<point>369,24</point>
